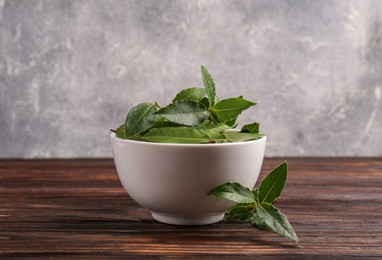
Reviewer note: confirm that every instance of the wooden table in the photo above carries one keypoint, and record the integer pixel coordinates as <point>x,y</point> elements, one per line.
<point>78,208</point>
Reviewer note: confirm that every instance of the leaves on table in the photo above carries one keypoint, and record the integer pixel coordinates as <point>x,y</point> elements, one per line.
<point>241,212</point>
<point>272,185</point>
<point>276,221</point>
<point>258,221</point>
<point>255,205</point>
<point>233,191</point>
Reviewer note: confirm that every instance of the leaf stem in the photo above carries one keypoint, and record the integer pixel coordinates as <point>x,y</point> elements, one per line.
<point>213,119</point>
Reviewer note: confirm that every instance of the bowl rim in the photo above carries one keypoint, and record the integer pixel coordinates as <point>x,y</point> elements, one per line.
<point>114,137</point>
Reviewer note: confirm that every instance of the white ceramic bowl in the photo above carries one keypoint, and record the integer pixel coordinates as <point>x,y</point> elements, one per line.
<point>172,180</point>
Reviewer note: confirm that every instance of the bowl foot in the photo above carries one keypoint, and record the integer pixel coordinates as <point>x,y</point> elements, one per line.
<point>187,220</point>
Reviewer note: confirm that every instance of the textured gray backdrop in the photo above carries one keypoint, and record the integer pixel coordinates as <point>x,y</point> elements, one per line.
<point>71,69</point>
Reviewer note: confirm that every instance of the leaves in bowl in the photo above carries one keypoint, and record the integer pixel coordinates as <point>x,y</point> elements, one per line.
<point>183,135</point>
<point>209,86</point>
<point>191,94</point>
<point>139,119</point>
<point>196,115</point>
<point>184,112</point>
<point>229,109</point>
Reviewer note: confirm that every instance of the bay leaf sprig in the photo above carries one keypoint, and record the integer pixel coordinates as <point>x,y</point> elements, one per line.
<point>195,116</point>
<point>256,205</point>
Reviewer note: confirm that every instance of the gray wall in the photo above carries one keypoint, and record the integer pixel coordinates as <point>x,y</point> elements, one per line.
<point>71,69</point>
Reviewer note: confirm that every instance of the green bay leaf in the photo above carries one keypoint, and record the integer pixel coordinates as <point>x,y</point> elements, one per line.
<point>242,137</point>
<point>272,185</point>
<point>232,123</point>
<point>217,131</point>
<point>233,191</point>
<point>241,211</point>
<point>229,109</point>
<point>191,94</point>
<point>184,112</point>
<point>209,86</point>
<point>139,119</point>
<point>206,124</point>
<point>258,222</point>
<point>120,132</point>
<point>251,128</point>
<point>204,102</point>
<point>163,122</point>
<point>276,221</point>
<point>184,135</point>
<point>214,132</point>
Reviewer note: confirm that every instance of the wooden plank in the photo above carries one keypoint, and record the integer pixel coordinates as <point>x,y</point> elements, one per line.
<point>78,208</point>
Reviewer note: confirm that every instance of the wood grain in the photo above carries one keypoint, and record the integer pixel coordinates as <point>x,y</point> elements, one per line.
<point>78,209</point>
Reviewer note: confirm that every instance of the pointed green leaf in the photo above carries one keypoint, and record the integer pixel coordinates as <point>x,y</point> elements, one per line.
<point>241,211</point>
<point>160,122</point>
<point>163,122</point>
<point>242,137</point>
<point>214,119</point>
<point>258,222</point>
<point>139,119</point>
<point>184,112</point>
<point>272,185</point>
<point>217,131</point>
<point>209,85</point>
<point>191,94</point>
<point>276,221</point>
<point>204,102</point>
<point>120,132</point>
<point>206,124</point>
<point>232,123</point>
<point>233,191</point>
<point>251,128</point>
<point>184,135</point>
<point>229,109</point>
